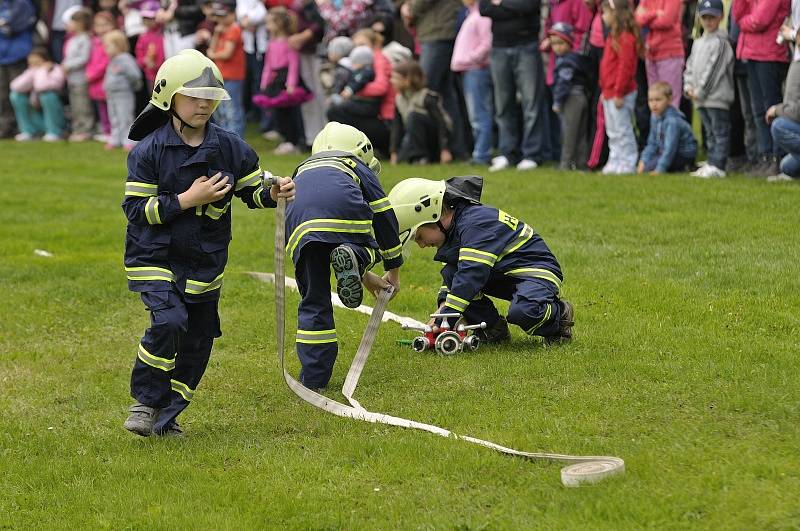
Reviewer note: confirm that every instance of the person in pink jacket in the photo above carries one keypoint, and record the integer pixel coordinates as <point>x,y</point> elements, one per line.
<point>471,57</point>
<point>96,69</point>
<point>35,97</point>
<point>767,61</point>
<point>665,57</point>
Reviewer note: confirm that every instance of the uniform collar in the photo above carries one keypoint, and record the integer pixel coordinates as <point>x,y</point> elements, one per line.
<point>169,137</point>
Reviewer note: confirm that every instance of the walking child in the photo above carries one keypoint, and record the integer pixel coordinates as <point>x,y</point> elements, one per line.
<point>708,82</point>
<point>76,57</point>
<point>671,146</point>
<point>343,221</point>
<point>618,85</point>
<point>122,80</point>
<point>182,177</point>
<point>486,252</point>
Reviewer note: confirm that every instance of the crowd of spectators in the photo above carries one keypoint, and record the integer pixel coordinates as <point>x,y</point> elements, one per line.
<point>611,85</point>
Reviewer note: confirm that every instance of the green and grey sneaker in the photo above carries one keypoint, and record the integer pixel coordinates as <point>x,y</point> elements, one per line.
<point>140,420</point>
<point>567,321</point>
<point>348,279</point>
<point>498,333</point>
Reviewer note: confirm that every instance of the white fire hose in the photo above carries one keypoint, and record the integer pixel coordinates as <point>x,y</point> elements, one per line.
<point>585,469</point>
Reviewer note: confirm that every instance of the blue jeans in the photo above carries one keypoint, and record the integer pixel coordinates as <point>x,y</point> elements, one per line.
<point>519,69</point>
<point>480,93</point>
<point>49,118</point>
<point>230,113</point>
<point>718,128</point>
<point>764,79</point>
<point>434,58</point>
<point>786,134</point>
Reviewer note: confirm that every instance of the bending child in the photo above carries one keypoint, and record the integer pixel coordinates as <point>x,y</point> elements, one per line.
<point>182,177</point>
<point>671,146</point>
<point>486,252</point>
<point>340,212</point>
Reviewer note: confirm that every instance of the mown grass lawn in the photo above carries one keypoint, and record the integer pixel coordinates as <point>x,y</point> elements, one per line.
<point>685,364</point>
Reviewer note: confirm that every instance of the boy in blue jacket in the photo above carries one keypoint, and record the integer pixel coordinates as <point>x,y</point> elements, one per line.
<point>671,146</point>
<point>181,179</point>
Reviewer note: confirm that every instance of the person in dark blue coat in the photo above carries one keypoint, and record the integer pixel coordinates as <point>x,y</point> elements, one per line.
<point>181,179</point>
<point>487,253</point>
<point>341,220</point>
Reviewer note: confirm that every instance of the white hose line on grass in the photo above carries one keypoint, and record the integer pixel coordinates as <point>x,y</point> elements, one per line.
<point>585,469</point>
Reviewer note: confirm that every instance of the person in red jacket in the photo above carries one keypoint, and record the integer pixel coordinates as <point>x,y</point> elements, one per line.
<point>664,46</point>
<point>766,61</point>
<point>618,85</point>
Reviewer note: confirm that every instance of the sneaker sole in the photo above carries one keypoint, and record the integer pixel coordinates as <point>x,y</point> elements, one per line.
<point>348,281</point>
<point>138,429</point>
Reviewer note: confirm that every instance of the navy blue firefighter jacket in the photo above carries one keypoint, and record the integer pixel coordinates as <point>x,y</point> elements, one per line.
<point>338,200</point>
<point>166,246</point>
<point>483,240</point>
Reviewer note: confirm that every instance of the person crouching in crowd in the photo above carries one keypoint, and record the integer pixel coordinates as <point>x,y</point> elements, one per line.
<point>35,97</point>
<point>671,146</point>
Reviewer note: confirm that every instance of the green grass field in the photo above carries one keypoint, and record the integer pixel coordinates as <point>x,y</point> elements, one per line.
<point>685,365</point>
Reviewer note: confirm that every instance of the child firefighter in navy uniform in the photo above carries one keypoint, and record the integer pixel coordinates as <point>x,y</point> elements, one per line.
<point>486,252</point>
<point>342,220</point>
<point>182,177</point>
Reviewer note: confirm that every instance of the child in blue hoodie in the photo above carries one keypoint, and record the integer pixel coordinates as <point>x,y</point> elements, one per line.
<point>671,146</point>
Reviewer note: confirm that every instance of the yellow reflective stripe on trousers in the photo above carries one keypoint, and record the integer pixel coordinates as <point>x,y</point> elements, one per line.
<point>394,252</point>
<point>476,255</point>
<point>151,211</point>
<point>327,225</point>
<point>535,272</point>
<point>380,205</point>
<point>457,303</point>
<point>329,163</point>
<point>315,337</point>
<point>195,287</point>
<point>546,318</point>
<point>182,389</point>
<point>522,239</point>
<point>154,361</point>
<point>149,273</point>
<point>216,213</point>
<point>373,258</point>
<point>137,189</point>
<point>251,179</point>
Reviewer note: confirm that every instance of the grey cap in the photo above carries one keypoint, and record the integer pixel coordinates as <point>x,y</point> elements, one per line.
<point>361,55</point>
<point>341,46</point>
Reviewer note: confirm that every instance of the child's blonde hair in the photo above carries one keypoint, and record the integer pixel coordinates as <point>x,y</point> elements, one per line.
<point>83,18</point>
<point>284,19</point>
<point>118,39</point>
<point>373,37</point>
<point>661,88</point>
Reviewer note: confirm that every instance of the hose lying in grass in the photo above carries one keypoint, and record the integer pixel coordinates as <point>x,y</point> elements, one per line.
<point>585,469</point>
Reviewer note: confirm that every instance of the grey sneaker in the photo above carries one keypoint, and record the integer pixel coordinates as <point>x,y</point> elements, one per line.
<point>348,279</point>
<point>498,333</point>
<point>173,430</point>
<point>567,321</point>
<point>140,420</point>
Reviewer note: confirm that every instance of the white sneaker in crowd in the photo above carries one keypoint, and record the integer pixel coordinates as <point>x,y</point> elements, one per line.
<point>708,171</point>
<point>23,137</point>
<point>499,163</point>
<point>272,135</point>
<point>50,137</point>
<point>101,138</point>
<point>286,148</point>
<point>527,164</point>
<point>780,178</point>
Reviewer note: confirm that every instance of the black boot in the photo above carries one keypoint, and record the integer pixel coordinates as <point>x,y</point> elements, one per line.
<point>566,322</point>
<point>497,333</point>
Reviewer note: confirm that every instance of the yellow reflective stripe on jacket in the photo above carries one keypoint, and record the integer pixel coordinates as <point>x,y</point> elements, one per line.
<point>257,197</point>
<point>149,273</point>
<point>182,389</point>
<point>546,318</point>
<point>457,303</point>
<point>154,361</point>
<point>195,287</point>
<point>327,225</point>
<point>338,164</point>
<point>380,205</point>
<point>251,179</point>
<point>476,255</point>
<point>525,234</point>
<point>137,189</point>
<point>535,272</point>
<point>394,252</point>
<point>216,213</point>
<point>315,337</point>
<point>151,211</point>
